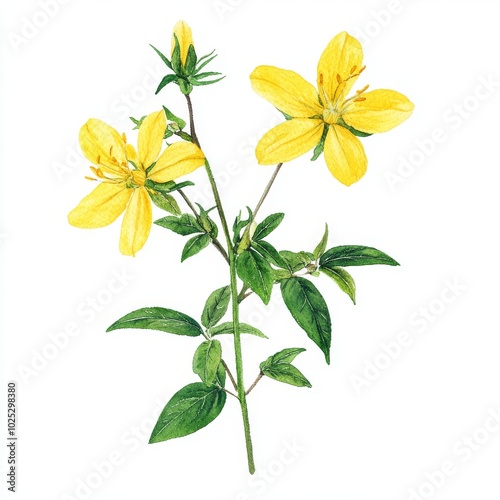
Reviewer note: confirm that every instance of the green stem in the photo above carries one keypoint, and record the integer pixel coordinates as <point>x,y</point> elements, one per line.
<point>234,299</point>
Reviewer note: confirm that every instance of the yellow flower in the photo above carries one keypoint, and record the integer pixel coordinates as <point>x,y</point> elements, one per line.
<point>123,172</point>
<point>327,110</point>
<point>184,34</point>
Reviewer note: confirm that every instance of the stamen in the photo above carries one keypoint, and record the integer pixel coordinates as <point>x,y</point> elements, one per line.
<point>361,70</point>
<point>124,137</point>
<point>99,159</point>
<point>321,78</point>
<point>364,89</point>
<point>359,99</point>
<point>353,69</point>
<point>339,79</point>
<point>90,178</point>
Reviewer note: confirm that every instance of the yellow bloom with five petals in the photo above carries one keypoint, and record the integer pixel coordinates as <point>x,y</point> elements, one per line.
<point>123,173</point>
<point>326,113</point>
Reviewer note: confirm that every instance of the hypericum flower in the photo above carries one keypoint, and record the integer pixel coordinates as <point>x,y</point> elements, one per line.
<point>184,35</point>
<point>325,117</point>
<point>123,172</point>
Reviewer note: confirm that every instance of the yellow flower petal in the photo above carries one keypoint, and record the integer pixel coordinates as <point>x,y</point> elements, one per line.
<point>344,155</point>
<point>178,159</point>
<point>382,110</point>
<point>101,207</point>
<point>137,222</point>
<point>150,138</point>
<point>341,60</point>
<point>102,145</point>
<point>132,154</point>
<point>287,91</point>
<point>185,36</point>
<point>289,140</point>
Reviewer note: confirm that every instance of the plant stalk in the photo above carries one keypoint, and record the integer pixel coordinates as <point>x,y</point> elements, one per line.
<point>234,298</point>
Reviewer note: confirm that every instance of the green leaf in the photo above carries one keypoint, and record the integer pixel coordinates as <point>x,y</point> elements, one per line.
<point>321,144</point>
<point>343,279</point>
<point>285,356</point>
<point>240,224</point>
<point>227,328</point>
<point>197,83</point>
<point>216,306</point>
<point>173,118</point>
<point>184,225</point>
<point>220,377</point>
<point>165,81</point>
<point>191,60</point>
<point>267,226</point>
<point>207,223</point>
<point>203,61</point>
<point>159,318</point>
<point>320,249</point>
<point>166,202</point>
<point>256,273</point>
<point>163,57</point>
<point>268,252</point>
<point>195,245</point>
<point>206,361</point>
<point>287,374</point>
<point>176,57</point>
<point>355,255</point>
<point>189,410</point>
<point>167,187</point>
<point>278,367</point>
<point>295,261</point>
<point>309,309</point>
<point>357,133</point>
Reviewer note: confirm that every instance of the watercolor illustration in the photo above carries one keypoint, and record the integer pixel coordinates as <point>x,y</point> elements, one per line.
<point>132,177</point>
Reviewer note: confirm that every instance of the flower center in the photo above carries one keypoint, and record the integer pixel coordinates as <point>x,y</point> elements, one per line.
<point>138,177</point>
<point>335,106</point>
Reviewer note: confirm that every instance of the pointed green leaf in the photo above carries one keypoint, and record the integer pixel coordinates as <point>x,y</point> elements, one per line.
<point>285,356</point>
<point>256,273</point>
<point>227,328</point>
<point>189,410</point>
<point>163,57</point>
<point>165,81</point>
<point>278,367</point>
<point>355,255</point>
<point>159,318</point>
<point>166,202</point>
<point>267,226</point>
<point>195,245</point>
<point>216,306</point>
<point>295,261</point>
<point>167,187</point>
<point>173,118</point>
<point>321,144</point>
<point>357,133</point>
<point>320,249</point>
<point>309,309</point>
<point>197,83</point>
<point>287,374</point>
<point>176,57</point>
<point>184,225</point>
<point>343,279</point>
<point>220,377</point>
<point>268,252</point>
<point>191,61</point>
<point>206,361</point>
<point>203,61</point>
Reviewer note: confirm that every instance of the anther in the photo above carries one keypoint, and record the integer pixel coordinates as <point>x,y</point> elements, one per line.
<point>339,78</point>
<point>353,69</point>
<point>359,99</point>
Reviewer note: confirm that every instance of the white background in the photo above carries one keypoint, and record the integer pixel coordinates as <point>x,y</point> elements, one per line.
<point>378,439</point>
